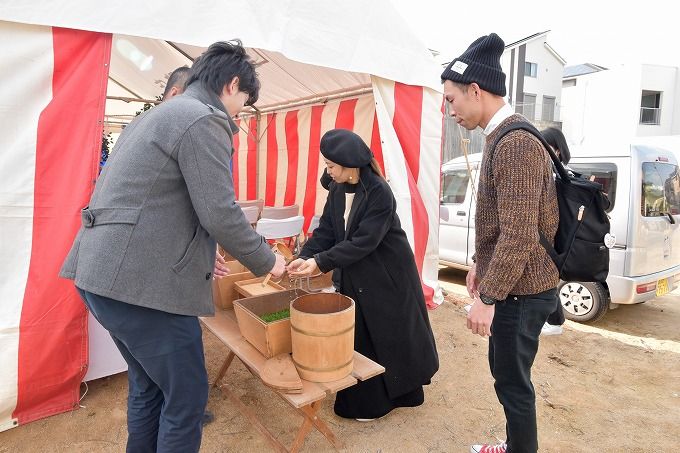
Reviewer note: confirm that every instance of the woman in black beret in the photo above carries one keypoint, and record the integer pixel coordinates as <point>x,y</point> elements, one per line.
<point>359,237</point>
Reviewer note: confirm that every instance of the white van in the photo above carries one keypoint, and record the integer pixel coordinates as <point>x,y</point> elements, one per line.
<point>643,184</point>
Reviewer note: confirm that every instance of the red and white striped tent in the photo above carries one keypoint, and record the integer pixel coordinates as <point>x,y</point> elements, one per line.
<point>323,64</point>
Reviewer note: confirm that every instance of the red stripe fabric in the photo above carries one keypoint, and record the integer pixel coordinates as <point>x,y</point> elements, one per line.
<point>309,204</point>
<point>293,145</point>
<point>376,145</point>
<point>251,174</point>
<point>234,160</point>
<point>345,118</point>
<point>272,161</point>
<point>408,102</point>
<point>53,343</point>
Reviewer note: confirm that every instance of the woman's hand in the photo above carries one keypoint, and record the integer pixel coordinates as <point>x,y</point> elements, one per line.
<point>303,268</point>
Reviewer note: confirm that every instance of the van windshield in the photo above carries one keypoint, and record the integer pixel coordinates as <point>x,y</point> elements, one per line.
<point>454,186</point>
<point>660,189</point>
<point>603,173</point>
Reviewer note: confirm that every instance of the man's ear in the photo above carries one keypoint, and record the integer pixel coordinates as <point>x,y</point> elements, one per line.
<point>233,86</point>
<point>476,91</point>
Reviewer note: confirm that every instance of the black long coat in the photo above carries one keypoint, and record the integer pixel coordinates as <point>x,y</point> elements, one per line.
<point>379,272</point>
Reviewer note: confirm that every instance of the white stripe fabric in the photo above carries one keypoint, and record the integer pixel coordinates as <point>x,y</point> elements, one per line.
<point>393,155</point>
<point>27,63</point>
<point>429,181</point>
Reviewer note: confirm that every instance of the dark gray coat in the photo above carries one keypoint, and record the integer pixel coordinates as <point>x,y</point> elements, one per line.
<point>379,272</point>
<point>163,200</point>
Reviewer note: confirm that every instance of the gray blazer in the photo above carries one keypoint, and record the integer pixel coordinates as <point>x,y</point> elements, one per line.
<point>163,200</point>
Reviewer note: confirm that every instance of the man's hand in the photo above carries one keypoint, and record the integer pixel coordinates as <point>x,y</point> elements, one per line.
<point>303,268</point>
<point>471,282</point>
<point>279,266</point>
<point>221,269</point>
<point>480,318</point>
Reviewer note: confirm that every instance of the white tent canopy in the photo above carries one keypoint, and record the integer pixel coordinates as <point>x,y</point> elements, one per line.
<point>322,64</point>
<point>351,36</point>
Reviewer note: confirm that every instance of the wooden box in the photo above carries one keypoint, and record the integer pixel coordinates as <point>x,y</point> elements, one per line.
<point>254,287</point>
<point>224,289</point>
<point>271,338</point>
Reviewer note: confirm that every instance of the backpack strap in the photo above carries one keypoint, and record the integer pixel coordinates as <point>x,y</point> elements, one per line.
<point>557,164</point>
<point>525,125</point>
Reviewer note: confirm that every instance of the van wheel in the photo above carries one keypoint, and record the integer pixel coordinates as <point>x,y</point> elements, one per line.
<point>583,301</point>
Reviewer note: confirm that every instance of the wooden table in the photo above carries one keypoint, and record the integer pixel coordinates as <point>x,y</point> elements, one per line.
<point>307,403</point>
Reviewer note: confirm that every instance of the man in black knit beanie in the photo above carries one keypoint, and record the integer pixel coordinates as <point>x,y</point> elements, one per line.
<point>513,280</point>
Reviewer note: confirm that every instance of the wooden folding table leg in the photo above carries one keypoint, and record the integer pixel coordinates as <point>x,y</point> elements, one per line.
<point>278,446</point>
<point>223,370</point>
<point>305,427</point>
<point>311,419</point>
<point>310,412</point>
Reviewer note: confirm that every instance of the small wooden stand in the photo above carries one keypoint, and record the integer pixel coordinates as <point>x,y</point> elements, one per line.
<point>306,403</point>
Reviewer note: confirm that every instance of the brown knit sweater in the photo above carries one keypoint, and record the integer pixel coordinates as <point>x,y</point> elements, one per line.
<point>516,198</point>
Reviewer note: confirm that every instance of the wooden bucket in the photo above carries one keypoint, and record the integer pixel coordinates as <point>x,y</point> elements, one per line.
<point>322,334</point>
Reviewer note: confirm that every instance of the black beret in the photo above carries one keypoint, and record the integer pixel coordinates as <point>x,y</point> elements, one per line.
<point>345,148</point>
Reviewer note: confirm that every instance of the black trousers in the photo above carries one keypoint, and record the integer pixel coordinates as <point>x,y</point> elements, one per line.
<point>513,345</point>
<point>167,379</point>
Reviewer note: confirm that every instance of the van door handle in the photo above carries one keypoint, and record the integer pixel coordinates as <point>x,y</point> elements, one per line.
<point>460,213</point>
<point>670,218</point>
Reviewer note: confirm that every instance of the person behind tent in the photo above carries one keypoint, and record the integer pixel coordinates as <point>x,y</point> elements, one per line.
<point>176,82</point>
<point>513,279</point>
<point>143,259</point>
<point>360,236</point>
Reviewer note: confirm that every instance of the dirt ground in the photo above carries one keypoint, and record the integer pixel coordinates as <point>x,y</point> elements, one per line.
<point>609,387</point>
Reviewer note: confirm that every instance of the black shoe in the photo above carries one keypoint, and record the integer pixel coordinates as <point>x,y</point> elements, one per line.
<point>208,417</point>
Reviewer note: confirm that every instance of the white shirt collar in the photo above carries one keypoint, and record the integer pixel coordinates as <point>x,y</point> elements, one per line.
<point>501,115</point>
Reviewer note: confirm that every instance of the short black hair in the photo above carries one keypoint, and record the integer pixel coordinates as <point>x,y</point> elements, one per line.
<point>555,138</point>
<point>178,78</point>
<point>218,66</point>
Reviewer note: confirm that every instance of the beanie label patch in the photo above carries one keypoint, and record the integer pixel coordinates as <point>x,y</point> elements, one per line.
<point>459,67</point>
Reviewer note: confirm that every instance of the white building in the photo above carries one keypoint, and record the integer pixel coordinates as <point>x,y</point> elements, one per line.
<point>533,72</point>
<point>533,79</point>
<point>631,100</point>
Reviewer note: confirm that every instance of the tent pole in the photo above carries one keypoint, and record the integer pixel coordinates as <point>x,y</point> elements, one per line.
<point>312,100</point>
<point>258,126</point>
<point>124,99</point>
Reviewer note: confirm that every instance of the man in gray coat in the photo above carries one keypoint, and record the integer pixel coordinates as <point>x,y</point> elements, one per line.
<point>143,258</point>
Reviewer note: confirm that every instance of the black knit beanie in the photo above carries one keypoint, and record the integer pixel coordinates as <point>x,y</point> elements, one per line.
<point>480,63</point>
<point>345,148</point>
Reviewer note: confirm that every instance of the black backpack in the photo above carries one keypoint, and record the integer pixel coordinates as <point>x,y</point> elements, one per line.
<point>580,253</point>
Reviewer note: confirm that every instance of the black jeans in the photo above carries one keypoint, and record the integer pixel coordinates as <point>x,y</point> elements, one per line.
<point>515,329</point>
<point>167,379</point>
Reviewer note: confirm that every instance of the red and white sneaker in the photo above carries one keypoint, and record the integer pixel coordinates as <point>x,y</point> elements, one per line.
<point>500,448</point>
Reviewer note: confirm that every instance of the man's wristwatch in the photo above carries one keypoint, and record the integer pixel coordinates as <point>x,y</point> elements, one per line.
<point>486,300</point>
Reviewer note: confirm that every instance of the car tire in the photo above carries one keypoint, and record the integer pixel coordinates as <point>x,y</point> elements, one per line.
<point>583,301</point>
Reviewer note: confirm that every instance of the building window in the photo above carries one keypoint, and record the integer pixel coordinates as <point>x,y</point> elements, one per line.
<point>527,107</point>
<point>568,83</point>
<point>530,69</point>
<point>548,108</point>
<point>650,107</point>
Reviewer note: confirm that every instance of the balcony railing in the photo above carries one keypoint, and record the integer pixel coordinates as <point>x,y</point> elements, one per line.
<point>543,112</point>
<point>650,115</point>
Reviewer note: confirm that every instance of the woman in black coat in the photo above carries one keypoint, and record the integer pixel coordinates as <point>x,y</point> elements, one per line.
<point>359,236</point>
